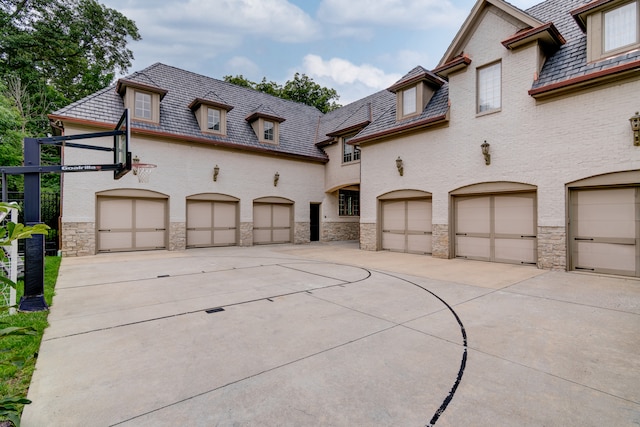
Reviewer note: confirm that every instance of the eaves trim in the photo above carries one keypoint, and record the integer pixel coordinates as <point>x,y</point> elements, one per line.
<point>430,121</point>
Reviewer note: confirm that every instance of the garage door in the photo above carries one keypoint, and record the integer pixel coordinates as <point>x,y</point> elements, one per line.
<point>126,224</point>
<point>272,223</point>
<point>211,223</point>
<point>406,226</point>
<point>604,227</point>
<point>499,227</point>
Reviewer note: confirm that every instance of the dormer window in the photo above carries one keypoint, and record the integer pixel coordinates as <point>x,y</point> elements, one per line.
<point>269,130</point>
<point>612,27</point>
<point>266,125</point>
<point>213,119</point>
<point>409,101</point>
<point>143,105</point>
<point>142,99</point>
<point>211,114</point>
<point>620,27</point>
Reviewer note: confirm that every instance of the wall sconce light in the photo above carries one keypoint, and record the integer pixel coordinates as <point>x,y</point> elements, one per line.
<point>635,127</point>
<point>216,171</point>
<point>485,152</point>
<point>400,166</point>
<point>134,164</point>
<point>276,178</point>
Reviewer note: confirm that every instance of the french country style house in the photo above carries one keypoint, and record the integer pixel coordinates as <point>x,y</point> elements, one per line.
<point>518,147</point>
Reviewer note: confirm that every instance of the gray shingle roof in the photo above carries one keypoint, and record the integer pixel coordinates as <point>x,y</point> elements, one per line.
<point>570,61</point>
<point>297,131</point>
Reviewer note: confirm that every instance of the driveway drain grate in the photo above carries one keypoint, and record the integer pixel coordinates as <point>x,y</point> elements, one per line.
<point>214,310</point>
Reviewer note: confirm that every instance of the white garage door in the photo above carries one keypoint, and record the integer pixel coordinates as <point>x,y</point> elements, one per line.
<point>406,226</point>
<point>272,223</point>
<point>604,226</point>
<point>211,223</point>
<point>499,227</point>
<point>126,224</point>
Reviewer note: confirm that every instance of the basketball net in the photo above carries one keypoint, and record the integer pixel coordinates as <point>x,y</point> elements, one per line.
<point>143,171</point>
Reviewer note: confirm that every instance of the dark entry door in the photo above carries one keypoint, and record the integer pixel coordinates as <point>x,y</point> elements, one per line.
<point>315,222</point>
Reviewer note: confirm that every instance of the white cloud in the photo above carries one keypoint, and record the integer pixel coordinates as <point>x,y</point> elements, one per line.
<point>242,65</point>
<point>417,14</point>
<point>351,81</point>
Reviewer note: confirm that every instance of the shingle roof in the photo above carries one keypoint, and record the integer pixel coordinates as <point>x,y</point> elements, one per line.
<point>570,61</point>
<point>297,131</point>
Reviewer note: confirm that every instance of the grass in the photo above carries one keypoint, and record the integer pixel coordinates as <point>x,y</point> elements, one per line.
<point>14,381</point>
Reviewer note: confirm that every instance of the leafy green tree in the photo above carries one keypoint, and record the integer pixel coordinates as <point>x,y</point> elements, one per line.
<point>75,46</point>
<point>11,136</point>
<point>301,89</point>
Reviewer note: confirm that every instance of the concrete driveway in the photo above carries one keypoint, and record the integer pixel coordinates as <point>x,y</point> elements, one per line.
<point>329,335</point>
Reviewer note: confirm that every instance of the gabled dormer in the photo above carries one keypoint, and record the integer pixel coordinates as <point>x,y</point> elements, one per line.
<point>211,113</point>
<point>612,27</point>
<point>142,97</point>
<point>266,124</point>
<point>414,91</point>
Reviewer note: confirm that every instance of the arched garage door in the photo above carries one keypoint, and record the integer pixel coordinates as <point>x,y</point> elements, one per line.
<point>272,221</point>
<point>604,224</point>
<point>497,224</point>
<point>406,222</point>
<point>131,220</point>
<point>212,220</point>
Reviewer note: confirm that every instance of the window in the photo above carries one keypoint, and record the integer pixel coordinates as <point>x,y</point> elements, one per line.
<point>350,153</point>
<point>143,105</point>
<point>489,96</point>
<point>621,26</point>
<point>349,203</point>
<point>409,101</point>
<point>268,130</point>
<point>213,119</point>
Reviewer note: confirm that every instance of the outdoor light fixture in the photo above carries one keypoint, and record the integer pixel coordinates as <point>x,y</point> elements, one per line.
<point>216,171</point>
<point>134,162</point>
<point>635,127</point>
<point>485,152</point>
<point>400,166</point>
<point>276,178</point>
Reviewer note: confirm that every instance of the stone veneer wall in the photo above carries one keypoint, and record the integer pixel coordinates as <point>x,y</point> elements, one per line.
<point>552,248</point>
<point>440,241</point>
<point>302,232</point>
<point>177,236</point>
<point>78,238</point>
<point>335,231</point>
<point>246,234</point>
<point>368,237</point>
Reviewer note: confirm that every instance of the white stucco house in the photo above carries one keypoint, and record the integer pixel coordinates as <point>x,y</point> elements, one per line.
<point>516,148</point>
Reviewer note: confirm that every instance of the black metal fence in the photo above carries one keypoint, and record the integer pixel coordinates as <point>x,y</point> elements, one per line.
<point>49,214</point>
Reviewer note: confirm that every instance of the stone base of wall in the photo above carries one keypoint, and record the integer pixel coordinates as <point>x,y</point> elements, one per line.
<point>552,248</point>
<point>336,231</point>
<point>368,237</point>
<point>440,241</point>
<point>177,236</point>
<point>302,233</point>
<point>246,234</point>
<point>78,238</point>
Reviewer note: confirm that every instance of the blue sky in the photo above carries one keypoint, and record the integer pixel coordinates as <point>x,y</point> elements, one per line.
<point>357,47</point>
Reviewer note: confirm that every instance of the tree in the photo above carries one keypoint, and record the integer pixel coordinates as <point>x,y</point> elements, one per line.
<point>75,46</point>
<point>11,136</point>
<point>301,89</point>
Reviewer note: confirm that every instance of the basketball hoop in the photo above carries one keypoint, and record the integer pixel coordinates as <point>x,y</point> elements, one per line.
<point>142,171</point>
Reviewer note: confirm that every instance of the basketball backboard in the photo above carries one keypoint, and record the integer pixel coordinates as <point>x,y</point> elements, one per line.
<point>121,153</point>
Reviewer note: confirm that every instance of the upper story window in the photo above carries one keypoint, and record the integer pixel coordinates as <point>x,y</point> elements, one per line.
<point>409,101</point>
<point>350,153</point>
<point>269,130</point>
<point>489,88</point>
<point>213,119</point>
<point>620,26</point>
<point>143,105</point>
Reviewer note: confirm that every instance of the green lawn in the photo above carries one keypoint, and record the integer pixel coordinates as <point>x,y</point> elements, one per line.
<point>14,381</point>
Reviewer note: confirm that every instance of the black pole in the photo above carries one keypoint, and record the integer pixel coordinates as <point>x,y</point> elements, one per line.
<point>33,299</point>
